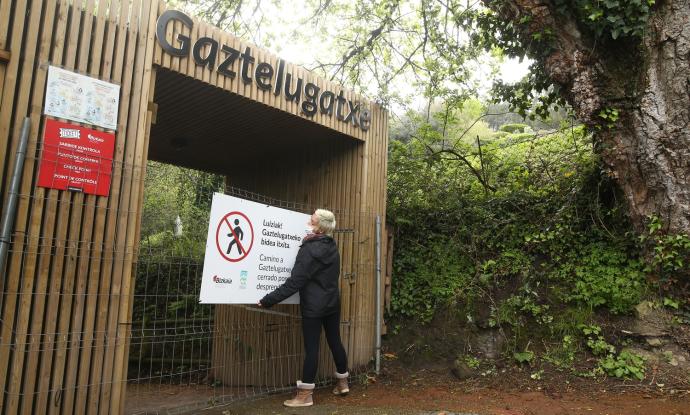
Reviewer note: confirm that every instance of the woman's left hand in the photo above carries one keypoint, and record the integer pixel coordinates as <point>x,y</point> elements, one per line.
<point>258,303</point>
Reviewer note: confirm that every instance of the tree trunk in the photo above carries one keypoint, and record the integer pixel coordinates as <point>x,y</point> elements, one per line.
<point>647,83</point>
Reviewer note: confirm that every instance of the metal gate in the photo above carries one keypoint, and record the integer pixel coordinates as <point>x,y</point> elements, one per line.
<point>184,355</point>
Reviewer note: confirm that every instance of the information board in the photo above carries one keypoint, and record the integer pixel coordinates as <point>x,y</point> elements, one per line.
<point>250,250</point>
<point>76,158</point>
<point>81,98</point>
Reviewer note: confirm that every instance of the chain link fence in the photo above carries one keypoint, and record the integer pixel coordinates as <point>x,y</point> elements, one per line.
<point>184,355</point>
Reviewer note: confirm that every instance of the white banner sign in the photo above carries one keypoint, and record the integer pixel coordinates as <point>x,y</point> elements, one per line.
<point>250,250</point>
<point>81,98</point>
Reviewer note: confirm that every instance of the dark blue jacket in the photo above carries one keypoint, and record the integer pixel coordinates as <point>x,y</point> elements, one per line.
<point>315,275</point>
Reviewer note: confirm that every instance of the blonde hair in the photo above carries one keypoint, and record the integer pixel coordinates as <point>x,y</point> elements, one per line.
<point>326,221</point>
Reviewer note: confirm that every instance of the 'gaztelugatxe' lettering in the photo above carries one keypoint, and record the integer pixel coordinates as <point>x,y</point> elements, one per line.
<point>265,76</point>
<point>280,235</point>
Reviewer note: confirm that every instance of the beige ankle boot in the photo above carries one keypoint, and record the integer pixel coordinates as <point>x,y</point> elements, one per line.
<point>341,386</point>
<point>302,397</point>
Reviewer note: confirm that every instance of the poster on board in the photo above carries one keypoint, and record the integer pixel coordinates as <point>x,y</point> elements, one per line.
<point>250,250</point>
<point>81,98</point>
<point>76,158</point>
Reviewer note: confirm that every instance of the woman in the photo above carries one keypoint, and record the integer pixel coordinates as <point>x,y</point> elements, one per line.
<point>315,275</point>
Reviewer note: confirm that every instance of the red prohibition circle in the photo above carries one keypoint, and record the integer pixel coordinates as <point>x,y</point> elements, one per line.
<point>251,229</point>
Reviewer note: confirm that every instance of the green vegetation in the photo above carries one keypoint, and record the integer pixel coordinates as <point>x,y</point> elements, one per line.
<point>172,192</point>
<point>606,277</point>
<point>617,18</point>
<point>526,214</point>
<point>514,128</point>
<point>524,357</point>
<point>670,255</point>
<point>171,250</point>
<point>528,227</point>
<point>608,24</point>
<point>169,266</point>
<point>624,365</point>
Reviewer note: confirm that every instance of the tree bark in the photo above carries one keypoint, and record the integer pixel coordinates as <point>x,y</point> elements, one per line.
<point>647,150</point>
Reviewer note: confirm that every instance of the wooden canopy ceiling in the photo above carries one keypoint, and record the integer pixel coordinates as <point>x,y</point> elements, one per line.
<point>206,128</point>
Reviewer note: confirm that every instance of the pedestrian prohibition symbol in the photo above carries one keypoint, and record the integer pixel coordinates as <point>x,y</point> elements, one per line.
<point>234,236</point>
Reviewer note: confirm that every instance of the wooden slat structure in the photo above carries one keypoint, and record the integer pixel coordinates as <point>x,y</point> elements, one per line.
<point>67,287</point>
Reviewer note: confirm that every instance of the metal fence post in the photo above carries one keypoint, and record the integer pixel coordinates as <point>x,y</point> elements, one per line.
<point>10,209</point>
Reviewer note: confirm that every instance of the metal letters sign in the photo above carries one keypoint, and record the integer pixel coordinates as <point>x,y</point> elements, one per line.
<point>231,62</point>
<point>250,250</point>
<point>81,98</point>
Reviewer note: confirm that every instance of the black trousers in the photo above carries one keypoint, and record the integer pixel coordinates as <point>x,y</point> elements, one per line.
<point>311,330</point>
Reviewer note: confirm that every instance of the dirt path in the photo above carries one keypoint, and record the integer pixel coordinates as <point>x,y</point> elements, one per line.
<point>400,390</point>
<point>421,400</point>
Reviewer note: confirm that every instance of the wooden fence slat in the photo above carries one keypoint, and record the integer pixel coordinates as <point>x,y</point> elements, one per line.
<point>69,205</point>
<point>142,130</point>
<point>123,268</point>
<point>18,292</point>
<point>83,205</point>
<point>53,267</point>
<point>79,337</point>
<point>110,39</point>
<point>121,73</point>
<point>39,302</point>
<point>5,6</point>
<point>100,63</point>
<point>9,84</point>
<point>119,247</point>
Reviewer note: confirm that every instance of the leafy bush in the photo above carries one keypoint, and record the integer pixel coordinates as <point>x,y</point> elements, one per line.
<point>669,261</point>
<point>514,128</point>
<point>625,365</point>
<point>516,308</point>
<point>614,17</point>
<point>523,357</point>
<point>501,220</point>
<point>596,342</point>
<point>562,355</point>
<point>605,276</point>
<point>523,233</point>
<point>439,274</point>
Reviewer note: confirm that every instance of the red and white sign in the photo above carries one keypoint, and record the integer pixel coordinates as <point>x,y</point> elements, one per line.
<point>234,236</point>
<point>250,250</point>
<point>76,158</point>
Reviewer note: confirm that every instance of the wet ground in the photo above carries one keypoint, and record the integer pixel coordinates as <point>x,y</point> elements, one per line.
<point>400,390</point>
<point>388,400</point>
